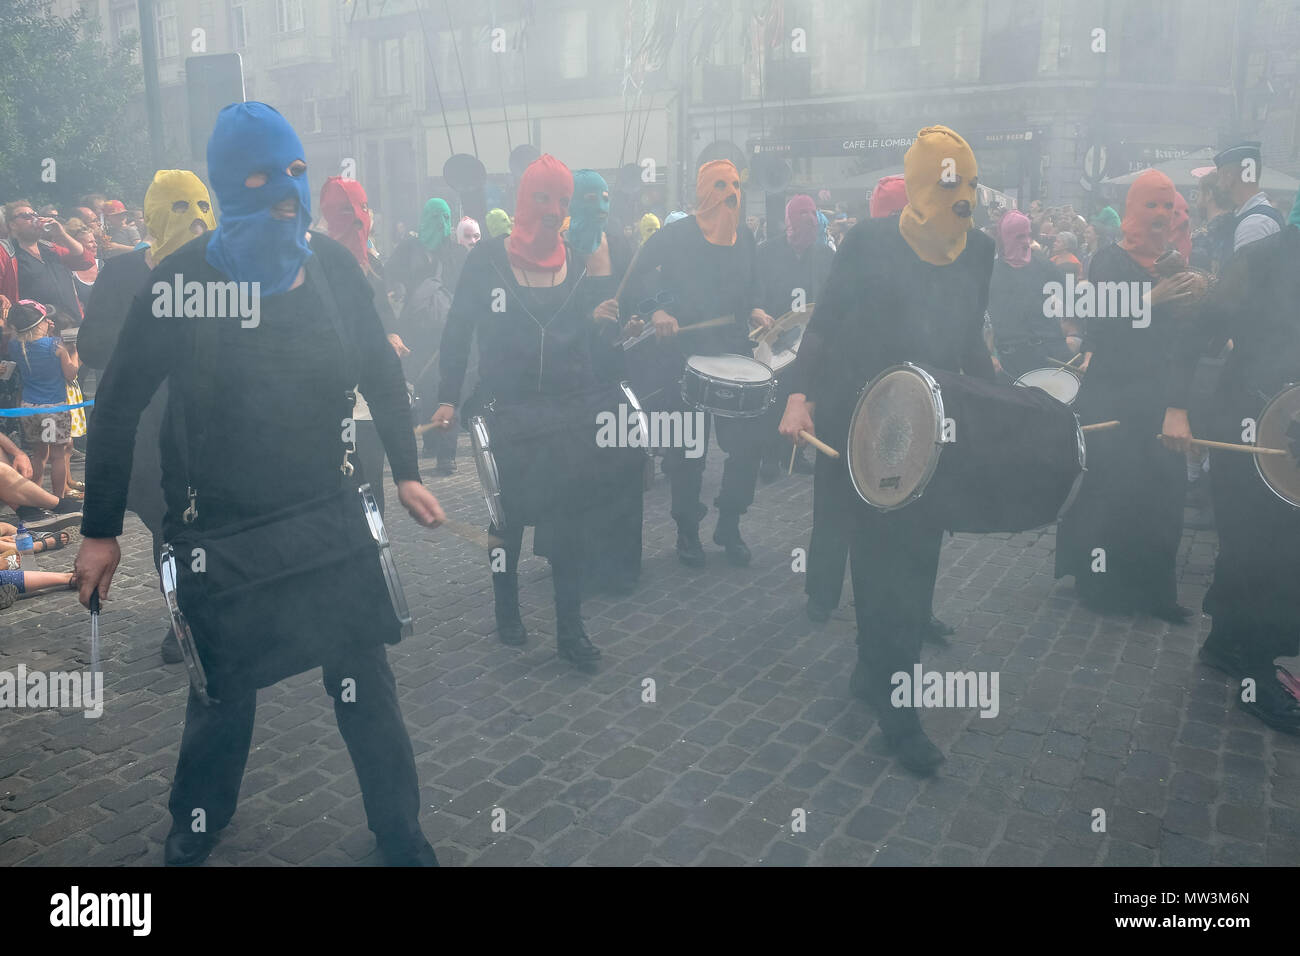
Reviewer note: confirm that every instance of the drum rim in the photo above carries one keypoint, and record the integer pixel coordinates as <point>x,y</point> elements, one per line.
<point>771,374</point>
<point>387,563</point>
<point>936,393</point>
<point>1259,470</point>
<point>775,329</point>
<point>1081,446</point>
<point>642,418</point>
<point>480,440</point>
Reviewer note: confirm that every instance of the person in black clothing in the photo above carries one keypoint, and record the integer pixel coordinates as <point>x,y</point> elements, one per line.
<point>177,208</point>
<point>1254,599</point>
<point>522,299</point>
<point>346,212</point>
<point>612,530</point>
<point>792,268</point>
<point>912,289</point>
<point>45,256</point>
<point>1024,338</point>
<point>693,270</point>
<point>283,392</point>
<point>423,272</point>
<point>1120,537</point>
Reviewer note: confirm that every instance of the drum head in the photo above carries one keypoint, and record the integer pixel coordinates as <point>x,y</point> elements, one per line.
<point>732,368</point>
<point>1279,427</point>
<point>895,437</point>
<point>778,346</point>
<point>1061,384</point>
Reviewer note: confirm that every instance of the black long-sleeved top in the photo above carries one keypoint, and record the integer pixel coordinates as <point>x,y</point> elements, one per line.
<point>883,305</point>
<point>1253,303</point>
<point>516,361</point>
<point>120,280</point>
<point>1016,298</point>
<point>781,271</point>
<point>411,263</point>
<point>280,387</point>
<point>705,280</point>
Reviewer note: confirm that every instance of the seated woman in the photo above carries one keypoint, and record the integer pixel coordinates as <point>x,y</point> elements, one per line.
<point>17,584</point>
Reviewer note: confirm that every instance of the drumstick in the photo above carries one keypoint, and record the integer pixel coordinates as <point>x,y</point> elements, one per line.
<point>708,323</point>
<point>1069,364</point>
<point>817,443</point>
<point>1073,358</point>
<point>794,450</point>
<point>470,533</point>
<point>421,429</point>
<point>1099,427</point>
<point>1228,446</point>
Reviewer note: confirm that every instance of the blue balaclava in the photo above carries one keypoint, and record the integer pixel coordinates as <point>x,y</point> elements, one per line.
<point>250,245</point>
<point>588,211</point>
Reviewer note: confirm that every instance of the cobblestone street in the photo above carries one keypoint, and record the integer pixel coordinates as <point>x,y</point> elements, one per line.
<point>752,721</point>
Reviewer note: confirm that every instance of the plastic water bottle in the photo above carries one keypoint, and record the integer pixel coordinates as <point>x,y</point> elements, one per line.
<point>23,542</point>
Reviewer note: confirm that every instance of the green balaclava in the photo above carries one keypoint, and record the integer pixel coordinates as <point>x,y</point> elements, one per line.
<point>435,224</point>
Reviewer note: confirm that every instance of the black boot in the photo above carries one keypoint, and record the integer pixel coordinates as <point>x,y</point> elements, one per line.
<point>689,550</point>
<point>184,847</point>
<point>818,612</point>
<point>572,643</point>
<point>1222,654</point>
<point>1273,703</point>
<point>727,534</point>
<point>408,852</point>
<point>505,593</point>
<point>901,726</point>
<point>936,632</point>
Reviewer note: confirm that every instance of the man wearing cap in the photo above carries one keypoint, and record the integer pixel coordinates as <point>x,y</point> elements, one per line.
<point>120,238</point>
<point>907,289</point>
<point>1239,168</point>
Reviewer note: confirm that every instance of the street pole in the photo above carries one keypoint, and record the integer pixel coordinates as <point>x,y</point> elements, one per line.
<point>152,95</point>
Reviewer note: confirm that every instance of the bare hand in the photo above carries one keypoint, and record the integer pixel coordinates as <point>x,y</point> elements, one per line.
<point>665,325</point>
<point>1176,288</point>
<point>1176,432</point>
<point>797,418</point>
<point>23,465</point>
<point>761,320</point>
<point>398,345</point>
<point>633,327</point>
<point>607,311</point>
<point>444,417</point>
<point>997,366</point>
<point>97,559</point>
<point>420,503</point>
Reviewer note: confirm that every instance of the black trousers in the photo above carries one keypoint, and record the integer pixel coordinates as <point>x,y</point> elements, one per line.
<point>563,536</point>
<point>214,749</point>
<point>893,563</point>
<point>828,549</point>
<point>742,440</point>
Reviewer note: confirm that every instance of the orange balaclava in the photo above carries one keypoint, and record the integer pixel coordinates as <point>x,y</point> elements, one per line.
<point>1148,217</point>
<point>939,171</point>
<point>717,202</point>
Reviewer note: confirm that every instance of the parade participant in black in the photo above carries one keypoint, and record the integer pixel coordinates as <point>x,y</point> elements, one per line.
<point>346,212</point>
<point>912,289</point>
<point>283,390</point>
<point>1024,338</point>
<point>1120,537</point>
<point>792,268</point>
<point>177,208</point>
<point>521,298</point>
<point>612,531</point>
<point>1254,599</point>
<point>423,272</point>
<point>693,270</point>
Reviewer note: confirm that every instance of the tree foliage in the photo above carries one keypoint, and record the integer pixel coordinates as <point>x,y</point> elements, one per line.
<point>65,96</point>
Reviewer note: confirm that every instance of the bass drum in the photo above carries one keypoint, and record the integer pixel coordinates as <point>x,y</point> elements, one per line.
<point>978,456</point>
<point>1279,427</point>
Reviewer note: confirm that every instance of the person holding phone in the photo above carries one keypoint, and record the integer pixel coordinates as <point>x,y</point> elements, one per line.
<point>46,257</point>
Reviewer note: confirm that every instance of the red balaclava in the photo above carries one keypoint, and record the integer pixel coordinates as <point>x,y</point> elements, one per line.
<point>1148,217</point>
<point>889,197</point>
<point>716,183</point>
<point>801,222</point>
<point>1182,230</point>
<point>1013,239</point>
<point>540,209</point>
<point>347,215</point>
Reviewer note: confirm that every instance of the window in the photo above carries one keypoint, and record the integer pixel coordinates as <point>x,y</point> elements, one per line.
<point>239,24</point>
<point>573,44</point>
<point>898,24</point>
<point>389,67</point>
<point>165,29</point>
<point>310,116</point>
<point>288,16</point>
<point>123,20</point>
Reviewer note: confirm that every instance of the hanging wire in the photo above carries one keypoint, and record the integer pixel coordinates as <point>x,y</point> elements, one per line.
<point>461,70</point>
<point>527,13</point>
<point>433,72</point>
<point>501,86</point>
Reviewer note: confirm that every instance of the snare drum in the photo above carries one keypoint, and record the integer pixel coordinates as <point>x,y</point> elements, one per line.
<point>986,457</point>
<point>1279,427</point>
<point>778,346</point>
<point>731,386</point>
<point>489,477</point>
<point>1060,383</point>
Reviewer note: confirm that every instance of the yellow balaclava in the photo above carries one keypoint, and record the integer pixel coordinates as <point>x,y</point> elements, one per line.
<point>171,225</point>
<point>939,170</point>
<point>648,226</point>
